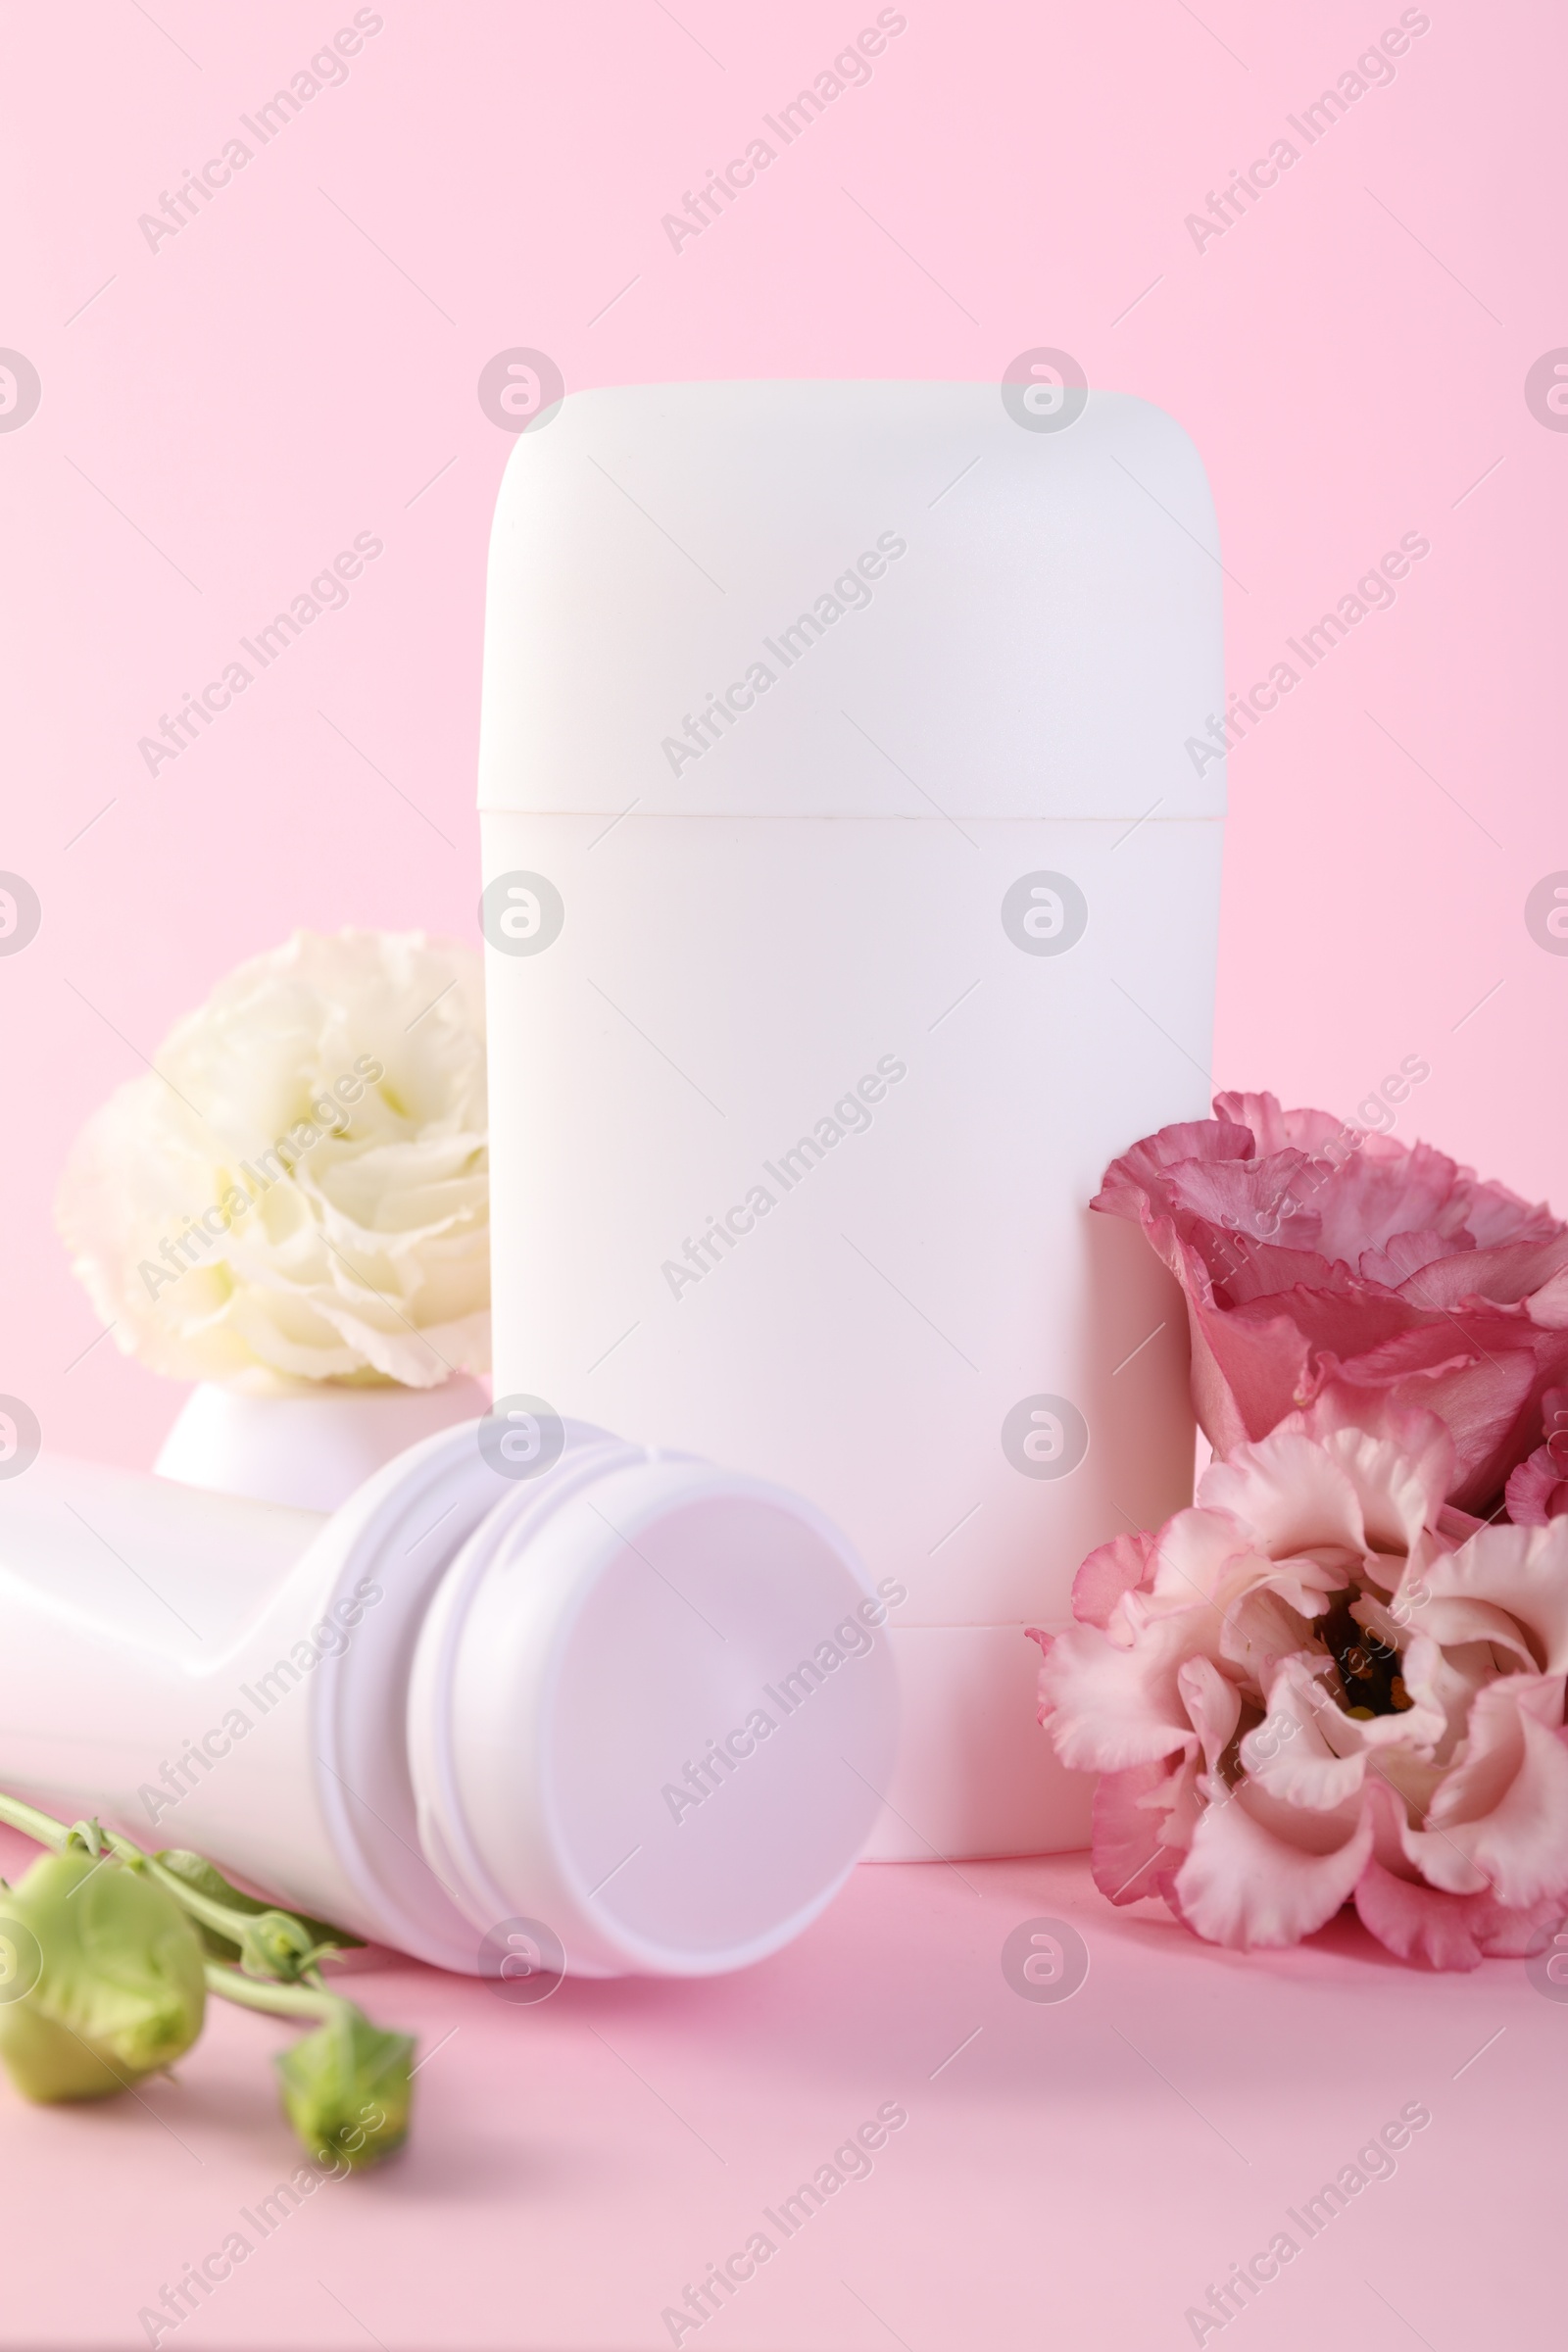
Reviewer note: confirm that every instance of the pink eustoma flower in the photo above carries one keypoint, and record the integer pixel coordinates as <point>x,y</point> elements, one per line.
<point>1311,1252</point>
<point>1323,1684</point>
<point>1537,1489</point>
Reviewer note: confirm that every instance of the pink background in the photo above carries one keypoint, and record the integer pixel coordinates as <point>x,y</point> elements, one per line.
<point>268,383</point>
<point>298,365</point>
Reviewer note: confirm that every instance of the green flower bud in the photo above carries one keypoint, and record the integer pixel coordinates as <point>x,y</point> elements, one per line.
<point>101,1979</point>
<point>265,1940</point>
<point>347,2088</point>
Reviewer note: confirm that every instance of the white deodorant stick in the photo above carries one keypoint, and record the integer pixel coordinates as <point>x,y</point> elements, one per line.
<point>533,1702</point>
<point>852,805</point>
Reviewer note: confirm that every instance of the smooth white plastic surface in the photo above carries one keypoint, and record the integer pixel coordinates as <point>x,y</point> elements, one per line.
<point>1043,644</point>
<point>657,1695</point>
<point>578,1756</point>
<point>309,1443</point>
<point>803,1078</point>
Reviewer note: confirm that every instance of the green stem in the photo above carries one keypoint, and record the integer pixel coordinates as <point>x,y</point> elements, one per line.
<point>232,1924</point>
<point>57,1836</point>
<point>279,2000</point>
<point>205,1907</point>
<point>33,1824</point>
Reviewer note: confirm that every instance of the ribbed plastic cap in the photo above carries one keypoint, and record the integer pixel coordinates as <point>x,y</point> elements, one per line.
<point>852,599</point>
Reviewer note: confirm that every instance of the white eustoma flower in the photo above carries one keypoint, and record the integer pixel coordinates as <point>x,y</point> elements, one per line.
<point>302,1184</point>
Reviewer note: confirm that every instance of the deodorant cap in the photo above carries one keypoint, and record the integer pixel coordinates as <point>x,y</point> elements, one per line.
<point>857,598</point>
<point>651,1717</point>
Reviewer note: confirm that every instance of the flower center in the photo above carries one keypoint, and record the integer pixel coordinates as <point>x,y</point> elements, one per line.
<point>1368,1666</point>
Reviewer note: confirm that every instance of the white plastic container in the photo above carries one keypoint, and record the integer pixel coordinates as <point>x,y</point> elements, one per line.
<point>851,830</point>
<point>514,1709</point>
<point>307,1443</point>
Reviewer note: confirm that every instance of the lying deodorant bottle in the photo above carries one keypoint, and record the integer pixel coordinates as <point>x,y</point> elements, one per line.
<point>851,790</point>
<point>533,1701</point>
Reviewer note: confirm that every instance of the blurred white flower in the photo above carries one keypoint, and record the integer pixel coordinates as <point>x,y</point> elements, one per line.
<point>303,1185</point>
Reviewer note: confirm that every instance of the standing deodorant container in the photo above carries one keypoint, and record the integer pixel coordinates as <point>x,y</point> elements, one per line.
<point>851,803</point>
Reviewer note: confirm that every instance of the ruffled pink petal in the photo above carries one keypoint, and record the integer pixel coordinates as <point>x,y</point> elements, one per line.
<point>1138,1185</point>
<point>1506,1275</point>
<point>1255,1363</point>
<point>1250,1366</point>
<point>1265,1624</point>
<point>1213,1706</point>
<point>1108,1707</point>
<point>1483,1395</point>
<point>1305,1753</point>
<point>1548,1306</point>
<point>1117,1567</point>
<point>1428,1679</point>
<point>1406,1254</point>
<point>1431,1930</point>
<point>1498,1819</point>
<point>1289,1493</point>
<point>1245,1270</point>
<point>1196,1555</point>
<point>1495,1215</point>
<point>1383,1189</point>
<point>1297,1239</point>
<point>1398,1457</point>
<point>1538,1490</point>
<point>1504,1579</point>
<point>1247,1883</point>
<point>1249,1203</point>
<point>1131,1822</point>
<point>1276,1130</point>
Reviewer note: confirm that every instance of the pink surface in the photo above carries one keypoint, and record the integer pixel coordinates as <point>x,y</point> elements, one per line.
<point>1076,2173</point>
<point>219,417</point>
